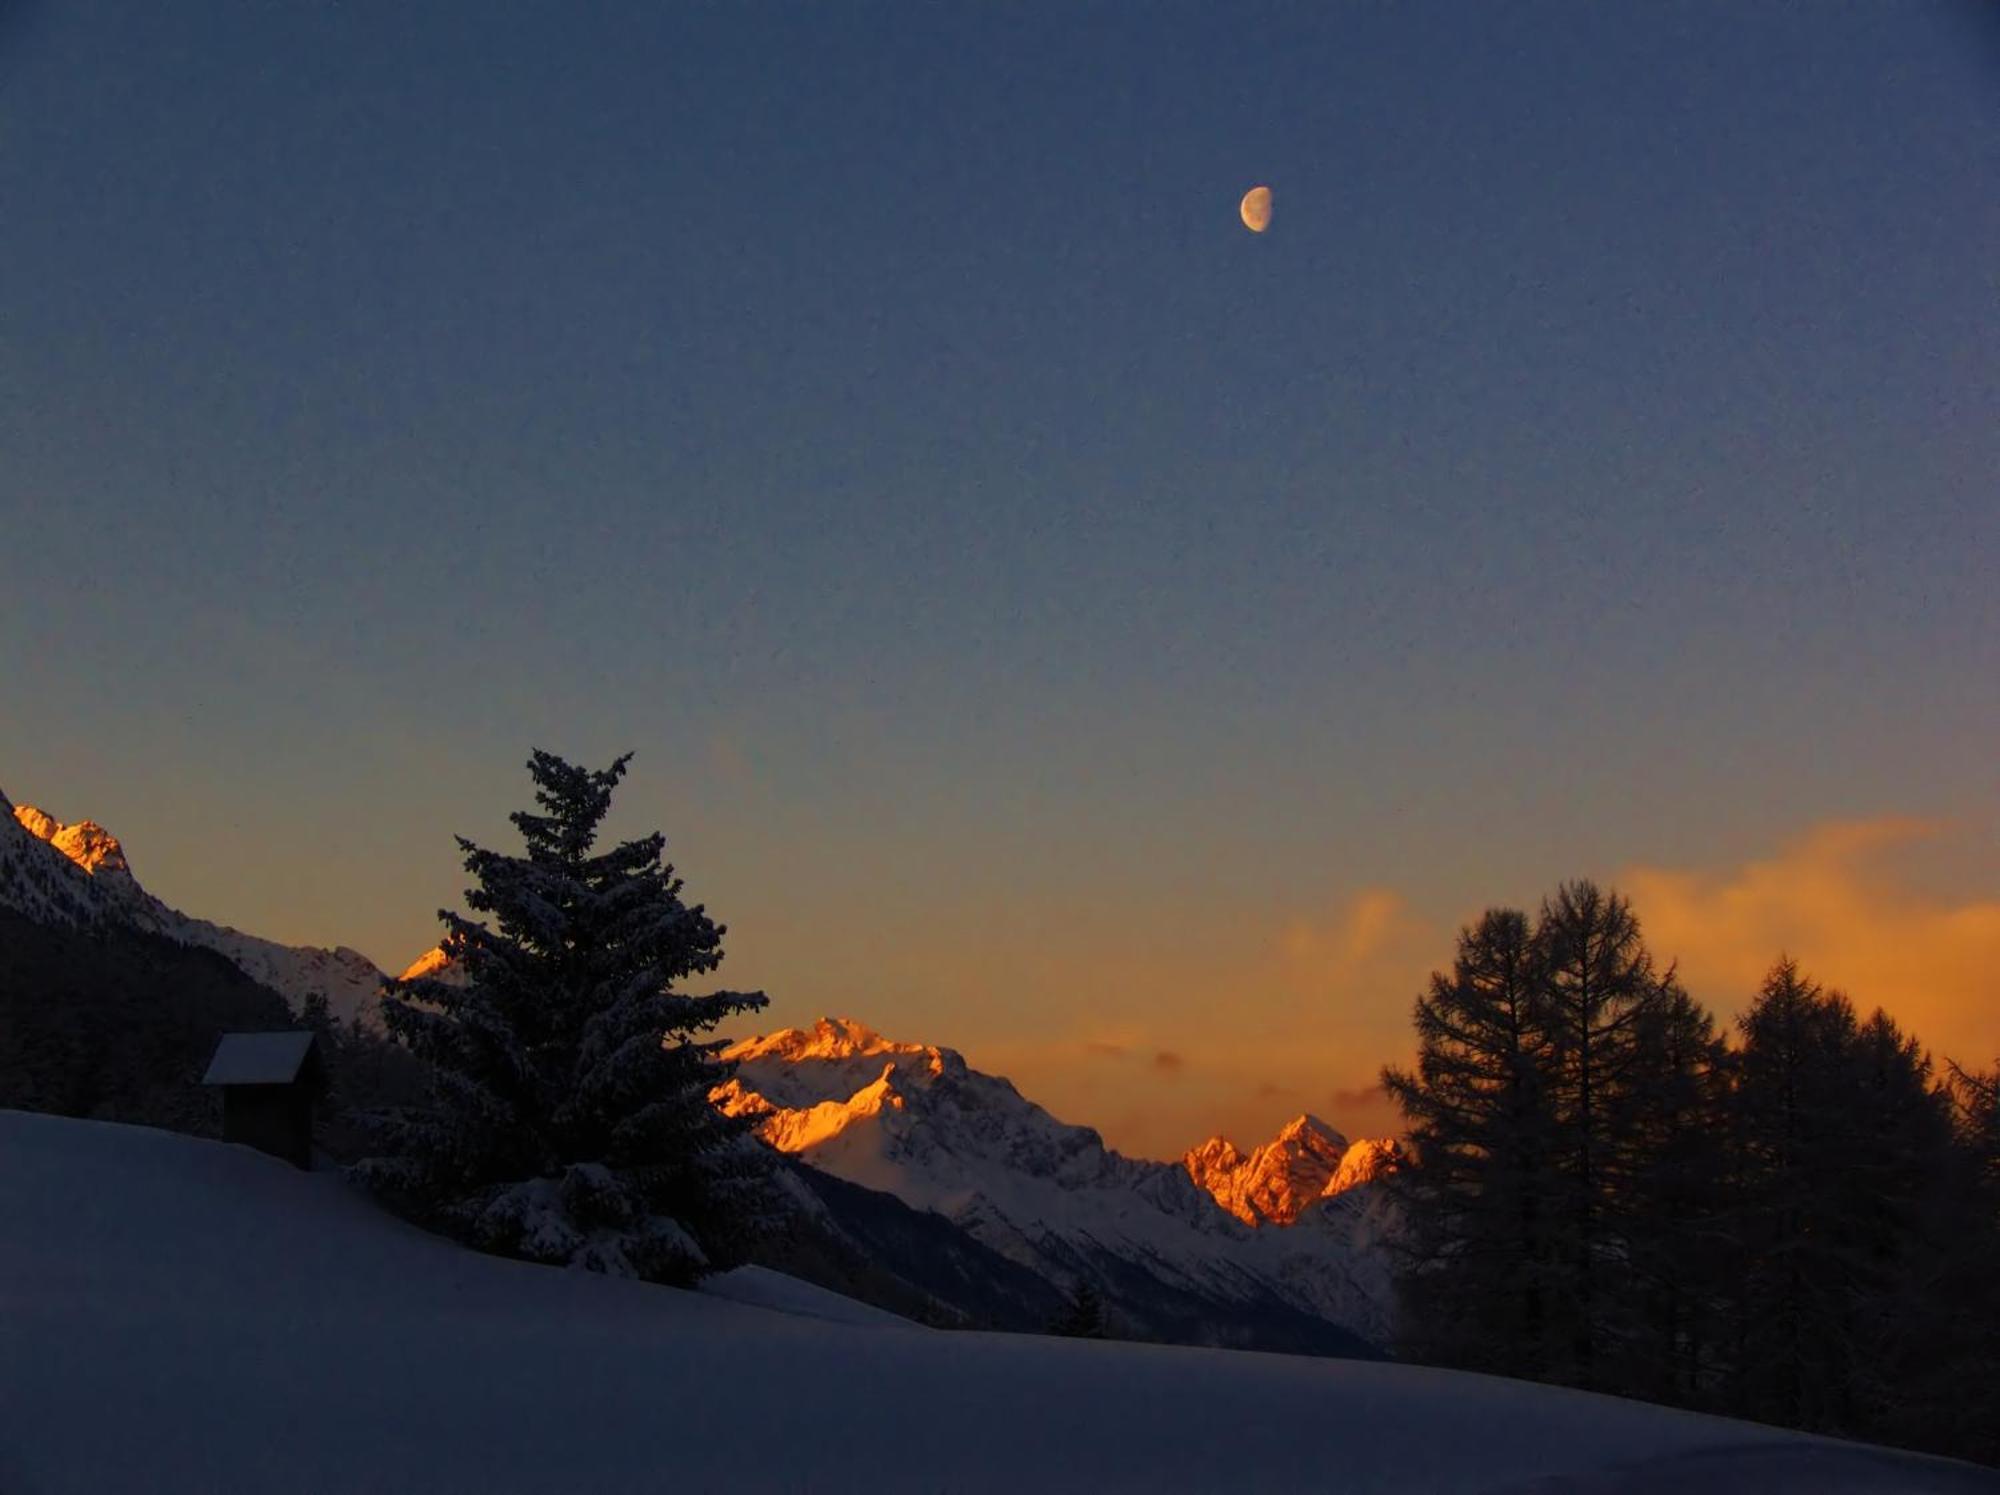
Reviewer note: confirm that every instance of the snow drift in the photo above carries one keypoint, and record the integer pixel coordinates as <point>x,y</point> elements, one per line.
<point>183,1315</point>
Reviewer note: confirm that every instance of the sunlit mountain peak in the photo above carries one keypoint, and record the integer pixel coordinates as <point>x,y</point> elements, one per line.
<point>85,843</point>
<point>76,874</point>
<point>1274,1184</point>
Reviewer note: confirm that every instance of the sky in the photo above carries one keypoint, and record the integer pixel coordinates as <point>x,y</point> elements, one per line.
<point>1050,620</point>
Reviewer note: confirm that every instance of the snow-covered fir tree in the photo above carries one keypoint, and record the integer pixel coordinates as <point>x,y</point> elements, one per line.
<point>568,1118</point>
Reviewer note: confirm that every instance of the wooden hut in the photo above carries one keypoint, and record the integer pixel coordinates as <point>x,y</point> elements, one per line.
<point>269,1083</point>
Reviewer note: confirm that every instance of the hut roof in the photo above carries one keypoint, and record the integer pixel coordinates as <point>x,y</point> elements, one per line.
<point>261,1058</point>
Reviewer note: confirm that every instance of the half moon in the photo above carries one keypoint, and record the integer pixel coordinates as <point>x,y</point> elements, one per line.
<point>1256,209</point>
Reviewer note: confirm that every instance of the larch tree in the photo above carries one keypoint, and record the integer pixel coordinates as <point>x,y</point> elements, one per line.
<point>1794,1101</point>
<point>1897,1211</point>
<point>1965,1335</point>
<point>1475,1288</point>
<point>568,1116</point>
<point>1668,1117</point>
<point>1596,983</point>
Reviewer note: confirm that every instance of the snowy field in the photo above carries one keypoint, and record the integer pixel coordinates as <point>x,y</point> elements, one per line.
<point>181,1315</point>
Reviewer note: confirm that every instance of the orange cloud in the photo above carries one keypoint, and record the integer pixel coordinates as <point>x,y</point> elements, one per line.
<point>1372,924</point>
<point>1366,1111</point>
<point>1167,1061</point>
<point>1840,901</point>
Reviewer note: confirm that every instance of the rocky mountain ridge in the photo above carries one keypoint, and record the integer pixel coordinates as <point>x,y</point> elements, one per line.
<point>1275,1183</point>
<point>77,875</point>
<point>917,1122</point>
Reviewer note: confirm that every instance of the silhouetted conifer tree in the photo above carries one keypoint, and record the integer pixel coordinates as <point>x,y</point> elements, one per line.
<point>1801,1229</point>
<point>1845,1147</point>
<point>1668,1117</point>
<point>1895,1208</point>
<point>1085,1317</point>
<point>1475,1284</point>
<point>1595,984</point>
<point>1964,1322</point>
<point>568,1117</point>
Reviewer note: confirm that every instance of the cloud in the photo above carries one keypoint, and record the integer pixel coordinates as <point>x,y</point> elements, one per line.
<point>1100,1049</point>
<point>1365,1111</point>
<point>1169,1062</point>
<point>1841,901</point>
<point>1373,922</point>
<point>1365,1095</point>
<point>1351,973</point>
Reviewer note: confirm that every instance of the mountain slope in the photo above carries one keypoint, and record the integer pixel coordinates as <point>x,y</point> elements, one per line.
<point>917,1122</point>
<point>40,883</point>
<point>872,1246</point>
<point>77,876</point>
<point>109,1022</point>
<point>201,1317</point>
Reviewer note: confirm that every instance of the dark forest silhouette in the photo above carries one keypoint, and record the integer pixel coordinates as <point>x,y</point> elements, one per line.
<point>1798,1223</point>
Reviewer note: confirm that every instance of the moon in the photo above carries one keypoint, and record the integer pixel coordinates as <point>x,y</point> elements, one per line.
<point>1256,209</point>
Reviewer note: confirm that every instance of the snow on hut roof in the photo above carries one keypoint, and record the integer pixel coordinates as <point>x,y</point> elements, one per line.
<point>258,1058</point>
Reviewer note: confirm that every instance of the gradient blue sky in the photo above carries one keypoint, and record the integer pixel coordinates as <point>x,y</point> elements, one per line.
<point>1045,613</point>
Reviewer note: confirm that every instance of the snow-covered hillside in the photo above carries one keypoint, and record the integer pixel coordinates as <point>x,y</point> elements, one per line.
<point>917,1122</point>
<point>183,1315</point>
<point>78,875</point>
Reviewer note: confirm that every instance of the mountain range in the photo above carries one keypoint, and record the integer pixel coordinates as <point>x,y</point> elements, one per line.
<point>918,1123</point>
<point>919,1182</point>
<point>77,876</point>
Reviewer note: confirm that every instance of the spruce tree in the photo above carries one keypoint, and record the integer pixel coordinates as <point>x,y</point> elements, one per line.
<point>568,1118</point>
<point>1474,1280</point>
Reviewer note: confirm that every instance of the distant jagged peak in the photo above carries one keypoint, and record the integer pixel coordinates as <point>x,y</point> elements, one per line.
<point>435,965</point>
<point>829,1038</point>
<point>1307,1130</point>
<point>1364,1162</point>
<point>1216,1153</point>
<point>1274,1183</point>
<point>85,843</point>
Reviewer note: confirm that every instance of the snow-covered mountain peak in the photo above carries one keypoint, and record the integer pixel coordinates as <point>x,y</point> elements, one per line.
<point>435,965</point>
<point>85,843</point>
<point>1274,1184</point>
<point>76,874</point>
<point>917,1121</point>
<point>100,857</point>
<point>1363,1163</point>
<point>432,962</point>
<point>834,1060</point>
<point>829,1038</point>
<point>1307,1131</point>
